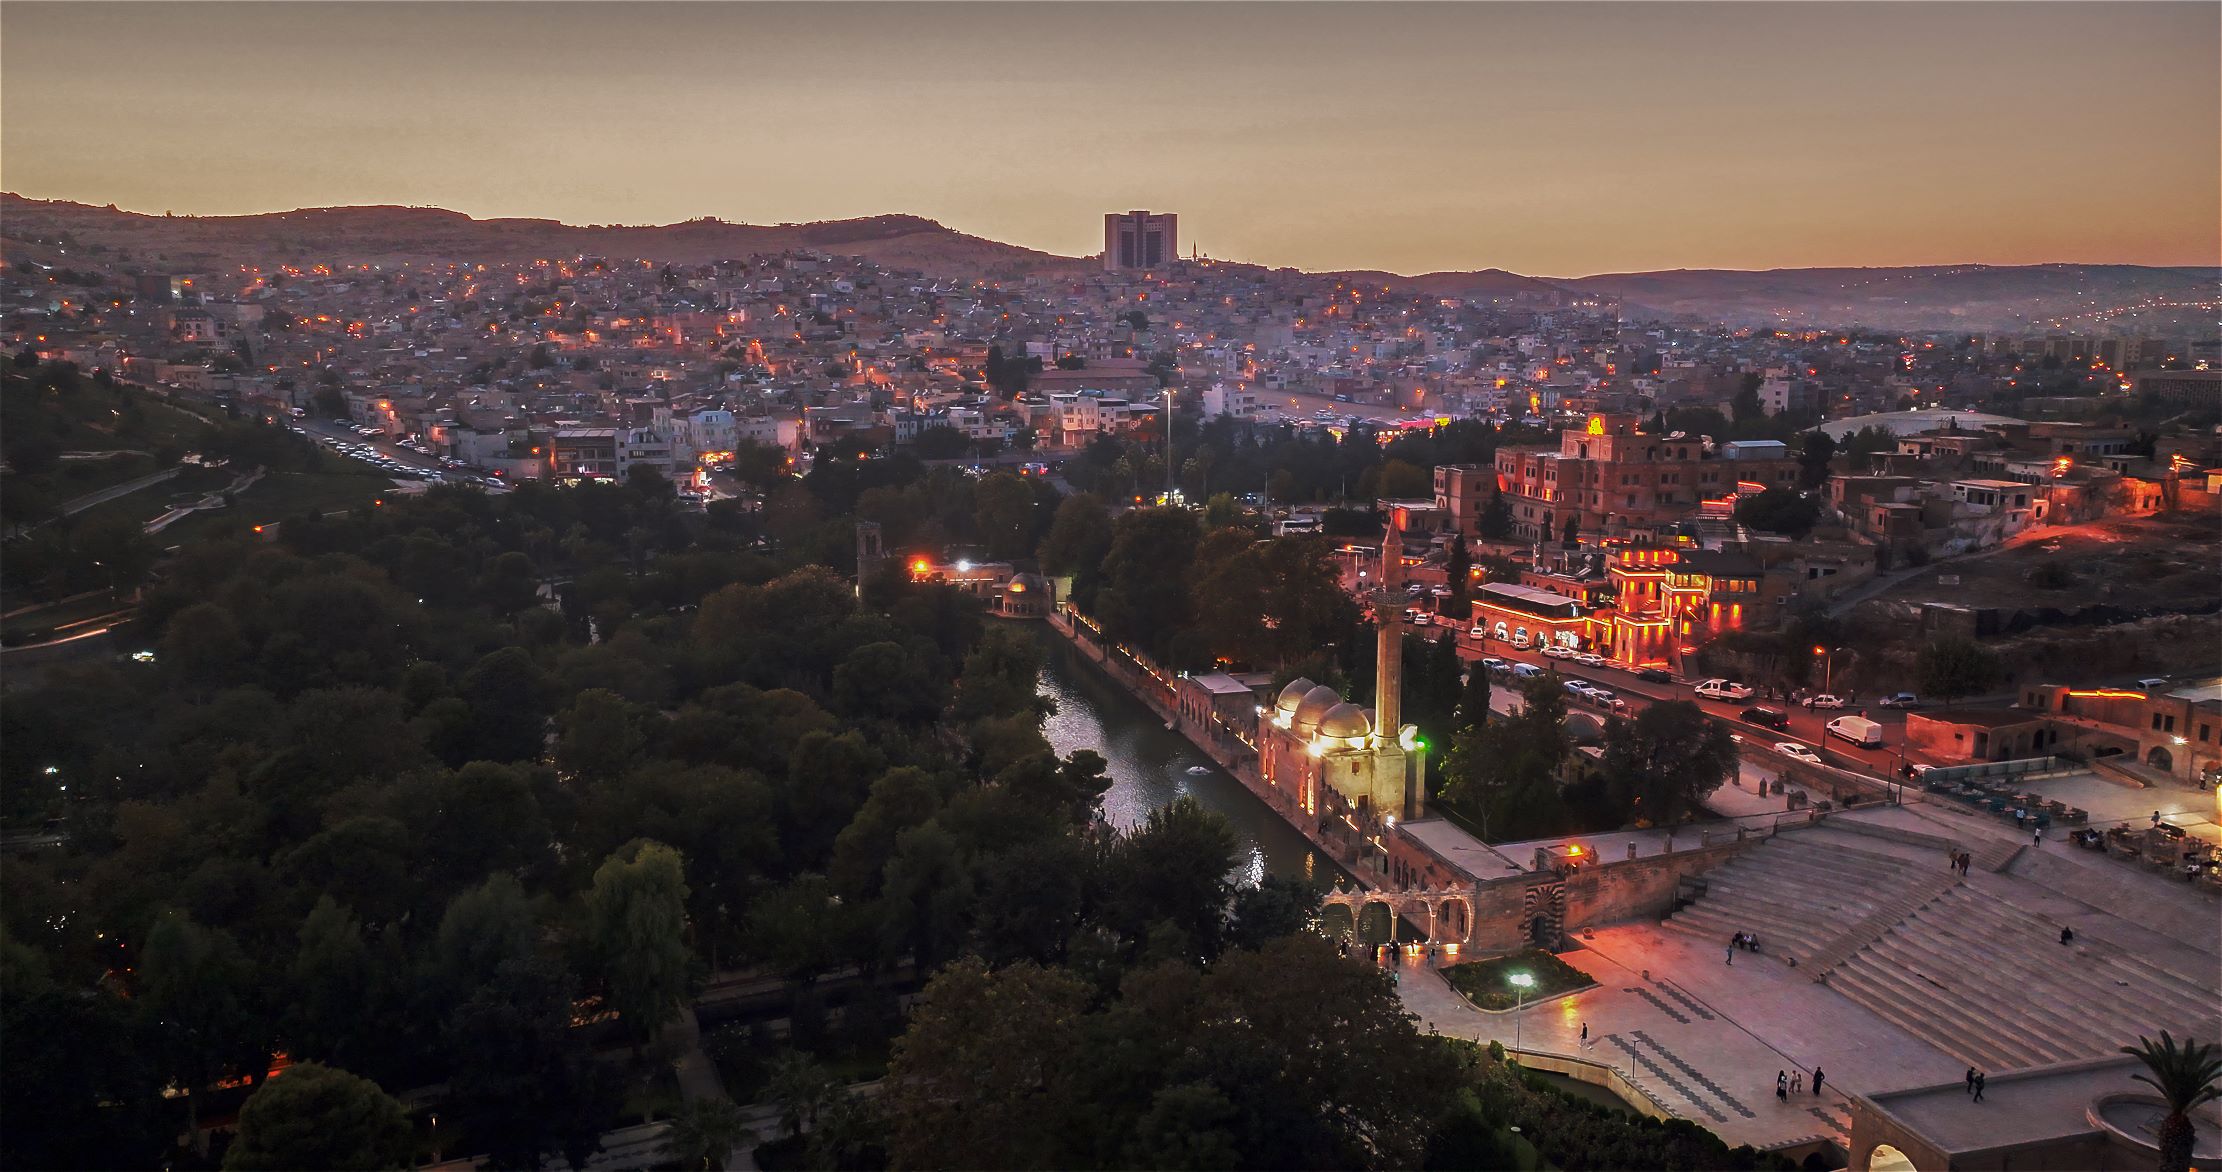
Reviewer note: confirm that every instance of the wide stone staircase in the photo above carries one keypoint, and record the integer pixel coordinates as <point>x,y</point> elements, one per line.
<point>1992,985</point>
<point>1801,897</point>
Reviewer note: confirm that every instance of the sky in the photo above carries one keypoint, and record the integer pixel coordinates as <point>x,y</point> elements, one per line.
<point>1550,139</point>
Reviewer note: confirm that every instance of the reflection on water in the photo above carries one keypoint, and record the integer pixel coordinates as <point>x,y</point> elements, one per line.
<point>1151,765</point>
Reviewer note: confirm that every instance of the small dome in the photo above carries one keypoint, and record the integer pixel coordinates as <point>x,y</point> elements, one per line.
<point>1293,695</point>
<point>1317,703</point>
<point>1345,720</point>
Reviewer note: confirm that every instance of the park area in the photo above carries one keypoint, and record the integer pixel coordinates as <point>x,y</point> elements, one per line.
<point>1489,985</point>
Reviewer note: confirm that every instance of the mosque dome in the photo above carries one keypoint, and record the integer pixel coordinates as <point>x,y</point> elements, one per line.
<point>1293,694</point>
<point>1316,704</point>
<point>1345,720</point>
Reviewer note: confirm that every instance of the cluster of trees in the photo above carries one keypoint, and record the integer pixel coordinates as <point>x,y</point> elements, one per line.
<point>1193,594</point>
<point>1508,773</point>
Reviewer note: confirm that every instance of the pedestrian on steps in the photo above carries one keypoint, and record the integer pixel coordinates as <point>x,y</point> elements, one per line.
<point>1980,1079</point>
<point>1797,1081</point>
<point>2067,935</point>
<point>1818,1076</point>
<point>1970,1080</point>
<point>1782,1085</point>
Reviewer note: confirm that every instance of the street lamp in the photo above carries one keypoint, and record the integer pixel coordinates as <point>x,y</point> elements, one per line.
<point>1828,667</point>
<point>1521,983</point>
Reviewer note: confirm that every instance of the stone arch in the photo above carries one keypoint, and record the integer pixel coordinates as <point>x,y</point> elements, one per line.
<point>1338,921</point>
<point>1886,1158</point>
<point>1376,929</point>
<point>2160,758</point>
<point>1454,918</point>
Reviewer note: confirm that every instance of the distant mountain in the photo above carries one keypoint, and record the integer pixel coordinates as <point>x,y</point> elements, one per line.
<point>1979,298</point>
<point>373,233</point>
<point>1940,297</point>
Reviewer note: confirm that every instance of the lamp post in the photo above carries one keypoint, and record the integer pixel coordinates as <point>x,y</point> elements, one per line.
<point>1828,667</point>
<point>1521,982</point>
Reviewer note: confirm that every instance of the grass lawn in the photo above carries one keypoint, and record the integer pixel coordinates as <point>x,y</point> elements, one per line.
<point>150,502</point>
<point>280,496</point>
<point>1484,983</point>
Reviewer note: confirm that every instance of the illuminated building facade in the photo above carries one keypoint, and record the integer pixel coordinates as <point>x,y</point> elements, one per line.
<point>1610,479</point>
<point>1669,599</point>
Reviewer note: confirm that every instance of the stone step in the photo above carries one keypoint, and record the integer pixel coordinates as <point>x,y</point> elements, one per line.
<point>1874,926</point>
<point>1872,990</point>
<point>2096,968</point>
<point>1983,994</point>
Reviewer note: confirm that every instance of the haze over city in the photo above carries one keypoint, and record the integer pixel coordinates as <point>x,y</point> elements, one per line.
<point>1544,139</point>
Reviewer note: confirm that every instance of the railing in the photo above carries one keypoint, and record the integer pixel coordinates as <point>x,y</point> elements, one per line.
<point>1990,769</point>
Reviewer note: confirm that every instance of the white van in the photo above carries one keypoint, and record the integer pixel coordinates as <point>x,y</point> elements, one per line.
<point>1858,730</point>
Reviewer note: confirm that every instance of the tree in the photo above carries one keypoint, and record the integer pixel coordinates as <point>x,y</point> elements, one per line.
<point>1276,907</point>
<point>1495,522</point>
<point>1172,869</point>
<point>1745,406</point>
<point>523,1083</point>
<point>1952,668</point>
<point>191,980</point>
<point>1779,510</point>
<point>1813,459</point>
<point>986,1071</point>
<point>1145,596</point>
<point>1003,508</point>
<point>1469,722</point>
<point>316,1116</point>
<point>1660,765</point>
<point>1078,538</point>
<point>2186,1075</point>
<point>330,981</point>
<point>1510,781</point>
<point>1458,573</point>
<point>636,923</point>
<point>705,1133</point>
<point>940,442</point>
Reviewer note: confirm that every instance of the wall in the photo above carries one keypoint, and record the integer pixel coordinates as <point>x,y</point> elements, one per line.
<point>1643,888</point>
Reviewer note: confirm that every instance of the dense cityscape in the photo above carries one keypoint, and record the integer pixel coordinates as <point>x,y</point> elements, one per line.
<point>481,692</point>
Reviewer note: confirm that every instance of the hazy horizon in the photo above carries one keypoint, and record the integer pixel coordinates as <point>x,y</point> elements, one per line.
<point>1539,139</point>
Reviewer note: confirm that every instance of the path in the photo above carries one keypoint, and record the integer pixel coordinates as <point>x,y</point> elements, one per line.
<point>698,1077</point>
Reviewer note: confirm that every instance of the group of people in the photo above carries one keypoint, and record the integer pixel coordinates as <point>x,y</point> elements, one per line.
<point>1744,940</point>
<point>1960,861</point>
<point>1791,1082</point>
<point>1975,1081</point>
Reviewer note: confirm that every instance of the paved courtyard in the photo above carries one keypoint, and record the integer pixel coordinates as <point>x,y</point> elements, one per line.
<point>1703,1038</point>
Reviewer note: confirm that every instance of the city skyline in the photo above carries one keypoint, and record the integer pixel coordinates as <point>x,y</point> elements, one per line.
<point>1554,141</point>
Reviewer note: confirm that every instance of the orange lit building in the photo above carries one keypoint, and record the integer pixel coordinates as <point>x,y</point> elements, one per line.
<point>1612,480</point>
<point>1675,598</point>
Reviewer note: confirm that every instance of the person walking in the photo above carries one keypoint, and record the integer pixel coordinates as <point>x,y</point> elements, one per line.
<point>2067,935</point>
<point>1980,1079</point>
<point>1970,1081</point>
<point>2037,836</point>
<point>1797,1081</point>
<point>1731,953</point>
<point>1585,1033</point>
<point>1818,1076</point>
<point>1782,1085</point>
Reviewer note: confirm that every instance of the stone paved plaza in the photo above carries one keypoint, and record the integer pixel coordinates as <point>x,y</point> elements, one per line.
<point>1929,973</point>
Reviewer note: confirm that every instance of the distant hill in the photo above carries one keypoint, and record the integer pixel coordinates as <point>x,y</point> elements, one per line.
<point>369,234</point>
<point>1941,297</point>
<point>1979,298</point>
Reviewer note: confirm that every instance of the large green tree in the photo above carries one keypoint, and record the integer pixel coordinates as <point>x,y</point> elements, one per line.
<point>316,1116</point>
<point>1660,765</point>
<point>1953,668</point>
<point>636,925</point>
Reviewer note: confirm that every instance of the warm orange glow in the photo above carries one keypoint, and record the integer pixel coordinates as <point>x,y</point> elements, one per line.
<point>2107,694</point>
<point>1596,425</point>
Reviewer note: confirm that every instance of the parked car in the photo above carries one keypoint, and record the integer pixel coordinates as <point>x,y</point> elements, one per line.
<point>1590,659</point>
<point>1554,651</point>
<point>1657,675</point>
<point>1577,687</point>
<point>1723,690</point>
<point>1604,698</point>
<point>1479,633</point>
<point>1798,752</point>
<point>1525,671</point>
<point>1824,700</point>
<point>1774,718</point>
<point>1858,730</point>
<point>1901,700</point>
<point>1519,642</point>
<point>1494,665</point>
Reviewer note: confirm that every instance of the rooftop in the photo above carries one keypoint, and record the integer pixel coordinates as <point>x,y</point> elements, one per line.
<point>2020,1107</point>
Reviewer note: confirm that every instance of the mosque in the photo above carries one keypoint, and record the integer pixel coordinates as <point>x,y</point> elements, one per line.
<point>1339,761</point>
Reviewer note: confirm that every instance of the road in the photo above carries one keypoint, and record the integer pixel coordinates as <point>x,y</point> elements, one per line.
<point>1806,727</point>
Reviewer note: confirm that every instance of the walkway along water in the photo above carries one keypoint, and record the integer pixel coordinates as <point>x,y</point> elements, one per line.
<point>1100,707</point>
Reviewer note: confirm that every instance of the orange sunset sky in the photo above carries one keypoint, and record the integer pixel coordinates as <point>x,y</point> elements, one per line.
<point>1557,139</point>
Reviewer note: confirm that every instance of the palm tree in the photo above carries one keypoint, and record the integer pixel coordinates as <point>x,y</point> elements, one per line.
<point>2185,1075</point>
<point>705,1132</point>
